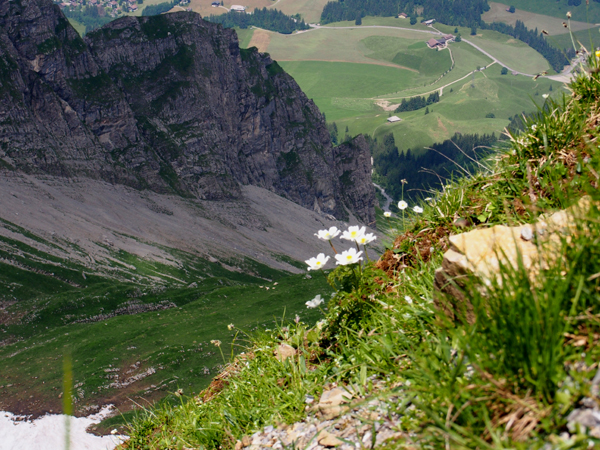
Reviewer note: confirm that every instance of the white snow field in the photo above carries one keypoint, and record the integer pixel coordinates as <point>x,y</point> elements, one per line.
<point>48,433</point>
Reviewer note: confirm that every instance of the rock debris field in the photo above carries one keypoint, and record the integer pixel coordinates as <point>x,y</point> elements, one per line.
<point>340,419</point>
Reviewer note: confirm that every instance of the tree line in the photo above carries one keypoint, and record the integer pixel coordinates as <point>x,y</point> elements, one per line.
<point>155,10</point>
<point>451,12</point>
<point>445,160</point>
<point>414,103</point>
<point>557,58</point>
<point>92,17</point>
<point>269,19</point>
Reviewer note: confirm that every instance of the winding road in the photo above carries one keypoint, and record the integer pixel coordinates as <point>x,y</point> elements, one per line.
<point>388,199</point>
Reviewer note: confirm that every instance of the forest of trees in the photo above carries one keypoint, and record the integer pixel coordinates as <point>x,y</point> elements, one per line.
<point>441,163</point>
<point>154,10</point>
<point>415,103</point>
<point>92,17</point>
<point>535,40</point>
<point>269,19</point>
<point>457,12</point>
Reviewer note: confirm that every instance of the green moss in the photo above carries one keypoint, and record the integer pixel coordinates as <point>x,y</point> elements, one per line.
<point>93,89</point>
<point>274,69</point>
<point>291,161</point>
<point>346,179</point>
<point>248,53</point>
<point>49,45</point>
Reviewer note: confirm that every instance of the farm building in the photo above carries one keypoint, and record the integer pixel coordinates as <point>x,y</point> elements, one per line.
<point>440,43</point>
<point>394,119</point>
<point>238,8</point>
<point>402,16</point>
<point>215,4</point>
<point>429,22</point>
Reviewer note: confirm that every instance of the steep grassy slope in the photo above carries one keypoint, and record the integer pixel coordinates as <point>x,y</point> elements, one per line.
<point>507,379</point>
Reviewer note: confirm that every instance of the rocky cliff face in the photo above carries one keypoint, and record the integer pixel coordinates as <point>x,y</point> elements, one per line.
<point>168,103</point>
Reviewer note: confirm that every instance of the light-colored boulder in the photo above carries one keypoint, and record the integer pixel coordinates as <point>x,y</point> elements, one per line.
<point>284,351</point>
<point>481,252</point>
<point>331,402</point>
<point>326,439</point>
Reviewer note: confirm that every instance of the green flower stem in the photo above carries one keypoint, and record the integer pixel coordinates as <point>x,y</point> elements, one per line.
<point>366,254</point>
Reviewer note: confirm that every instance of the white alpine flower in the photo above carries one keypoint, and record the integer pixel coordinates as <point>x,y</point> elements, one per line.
<point>317,263</point>
<point>350,256</point>
<point>353,233</point>
<point>418,209</point>
<point>402,205</point>
<point>408,299</point>
<point>314,302</point>
<point>366,239</point>
<point>387,214</point>
<point>545,95</point>
<point>327,235</point>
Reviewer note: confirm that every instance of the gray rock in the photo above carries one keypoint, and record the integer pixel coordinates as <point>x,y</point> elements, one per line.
<point>168,103</point>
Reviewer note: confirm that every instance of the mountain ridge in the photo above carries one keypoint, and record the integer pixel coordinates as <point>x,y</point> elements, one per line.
<point>167,103</point>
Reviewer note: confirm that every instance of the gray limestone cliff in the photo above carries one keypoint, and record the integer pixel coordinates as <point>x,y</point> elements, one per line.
<point>168,103</point>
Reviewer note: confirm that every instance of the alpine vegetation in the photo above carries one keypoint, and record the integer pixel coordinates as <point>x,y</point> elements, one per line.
<point>477,328</point>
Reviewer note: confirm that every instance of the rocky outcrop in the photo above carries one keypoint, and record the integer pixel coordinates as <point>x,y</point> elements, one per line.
<point>481,253</point>
<point>353,166</point>
<point>168,103</point>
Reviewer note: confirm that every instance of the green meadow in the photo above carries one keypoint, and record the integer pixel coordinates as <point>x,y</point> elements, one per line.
<point>590,39</point>
<point>588,12</point>
<point>533,20</point>
<point>144,333</point>
<point>357,75</point>
<point>347,92</point>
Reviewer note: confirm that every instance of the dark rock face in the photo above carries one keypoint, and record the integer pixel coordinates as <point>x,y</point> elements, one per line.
<point>168,103</point>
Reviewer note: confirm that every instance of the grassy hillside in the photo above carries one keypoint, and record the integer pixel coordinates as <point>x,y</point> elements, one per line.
<point>356,75</point>
<point>532,20</point>
<point>137,329</point>
<point>347,93</point>
<point>506,372</point>
<point>588,12</point>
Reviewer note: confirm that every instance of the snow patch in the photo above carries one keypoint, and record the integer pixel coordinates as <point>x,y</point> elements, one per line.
<point>48,432</point>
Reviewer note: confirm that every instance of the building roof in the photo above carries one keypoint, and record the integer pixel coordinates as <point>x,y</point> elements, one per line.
<point>394,119</point>
<point>238,8</point>
<point>433,42</point>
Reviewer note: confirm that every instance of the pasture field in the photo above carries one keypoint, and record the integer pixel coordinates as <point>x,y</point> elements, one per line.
<point>583,13</point>
<point>382,22</point>
<point>532,20</point>
<point>244,36</point>
<point>464,109</point>
<point>512,52</point>
<point>590,38</point>
<point>467,59</point>
<point>310,10</point>
<point>342,89</point>
<point>324,44</point>
<point>204,8</point>
<point>79,27</point>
